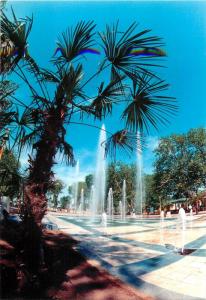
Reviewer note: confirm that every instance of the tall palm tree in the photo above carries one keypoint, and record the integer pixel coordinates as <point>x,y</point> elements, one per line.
<point>130,78</point>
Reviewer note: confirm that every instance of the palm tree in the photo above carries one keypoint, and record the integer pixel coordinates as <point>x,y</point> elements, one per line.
<point>130,78</point>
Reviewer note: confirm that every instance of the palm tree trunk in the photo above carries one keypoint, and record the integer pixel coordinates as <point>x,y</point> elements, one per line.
<point>40,175</point>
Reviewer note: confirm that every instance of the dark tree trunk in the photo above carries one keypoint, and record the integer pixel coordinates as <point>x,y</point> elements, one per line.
<point>40,176</point>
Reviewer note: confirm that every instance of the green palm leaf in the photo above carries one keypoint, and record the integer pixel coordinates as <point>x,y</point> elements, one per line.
<point>117,47</point>
<point>70,83</point>
<point>68,153</point>
<point>72,42</point>
<point>147,107</point>
<point>103,103</point>
<point>7,89</point>
<point>17,33</point>
<point>6,119</point>
<point>49,76</point>
<point>30,138</point>
<point>107,96</point>
<point>122,141</point>
<point>7,113</point>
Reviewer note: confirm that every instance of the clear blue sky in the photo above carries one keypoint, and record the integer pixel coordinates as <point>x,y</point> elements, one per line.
<point>182,25</point>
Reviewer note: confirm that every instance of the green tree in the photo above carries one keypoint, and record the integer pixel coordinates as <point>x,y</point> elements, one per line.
<point>55,189</point>
<point>10,176</point>
<point>180,164</point>
<point>7,111</point>
<point>116,173</point>
<point>89,180</point>
<point>151,195</point>
<point>65,201</point>
<point>127,78</point>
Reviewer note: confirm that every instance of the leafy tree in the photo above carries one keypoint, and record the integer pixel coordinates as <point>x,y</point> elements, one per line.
<point>10,177</point>
<point>7,112</point>
<point>55,189</point>
<point>89,180</point>
<point>116,173</point>
<point>128,77</point>
<point>81,185</point>
<point>180,164</point>
<point>151,195</point>
<point>65,201</point>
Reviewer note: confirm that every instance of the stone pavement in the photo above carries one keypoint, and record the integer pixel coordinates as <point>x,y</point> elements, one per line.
<point>146,253</point>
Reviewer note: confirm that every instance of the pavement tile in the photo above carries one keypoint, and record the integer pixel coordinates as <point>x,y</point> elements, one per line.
<point>132,252</point>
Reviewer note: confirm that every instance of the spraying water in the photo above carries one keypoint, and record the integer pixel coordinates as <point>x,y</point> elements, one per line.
<point>97,205</point>
<point>91,197</point>
<point>110,204</point>
<point>76,186</point>
<point>139,183</point>
<point>82,201</point>
<point>120,209</point>
<point>123,214</point>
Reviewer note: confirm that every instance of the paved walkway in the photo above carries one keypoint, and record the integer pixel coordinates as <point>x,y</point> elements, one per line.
<point>146,253</point>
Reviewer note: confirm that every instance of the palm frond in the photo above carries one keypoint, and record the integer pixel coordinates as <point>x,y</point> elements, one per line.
<point>31,65</point>
<point>122,141</point>
<point>103,103</point>
<point>41,76</point>
<point>15,33</point>
<point>73,41</point>
<point>107,96</point>
<point>24,126</point>
<point>6,50</point>
<point>41,102</point>
<point>148,107</point>
<point>26,119</point>
<point>29,139</point>
<point>68,153</point>
<point>49,76</point>
<point>70,83</point>
<point>7,112</point>
<point>117,48</point>
<point>7,89</point>
<point>6,118</point>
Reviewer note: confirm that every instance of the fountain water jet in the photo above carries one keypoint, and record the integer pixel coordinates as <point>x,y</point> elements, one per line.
<point>82,201</point>
<point>110,204</point>
<point>139,180</point>
<point>91,196</point>
<point>76,186</point>
<point>120,209</point>
<point>97,204</point>
<point>123,213</point>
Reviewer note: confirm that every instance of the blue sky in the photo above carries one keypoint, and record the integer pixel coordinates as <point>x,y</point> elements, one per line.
<point>182,25</point>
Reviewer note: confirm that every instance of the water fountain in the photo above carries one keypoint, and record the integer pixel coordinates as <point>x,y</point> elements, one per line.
<point>162,217</point>
<point>139,181</point>
<point>97,204</point>
<point>123,213</point>
<point>82,201</point>
<point>91,196</point>
<point>110,204</point>
<point>120,208</point>
<point>76,177</point>
<point>104,219</point>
